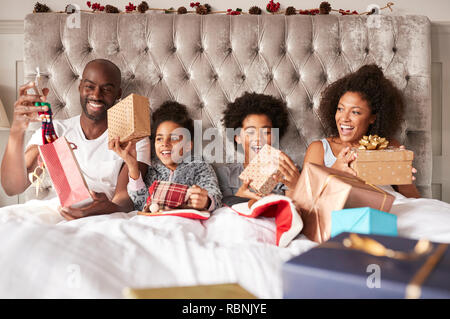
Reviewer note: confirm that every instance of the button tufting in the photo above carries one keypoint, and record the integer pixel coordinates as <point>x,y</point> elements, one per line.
<point>201,50</point>
<point>215,77</point>
<point>230,50</point>
<point>132,76</point>
<point>366,50</point>
<point>89,49</point>
<point>407,78</point>
<point>243,77</point>
<point>201,105</point>
<point>394,49</point>
<point>174,49</point>
<point>146,49</point>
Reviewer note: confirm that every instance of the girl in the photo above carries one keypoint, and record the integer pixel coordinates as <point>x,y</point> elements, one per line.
<point>171,160</point>
<point>361,103</point>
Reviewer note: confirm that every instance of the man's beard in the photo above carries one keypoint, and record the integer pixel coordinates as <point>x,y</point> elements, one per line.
<point>95,118</point>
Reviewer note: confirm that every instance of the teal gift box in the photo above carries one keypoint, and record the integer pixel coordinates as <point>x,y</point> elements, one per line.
<point>363,220</point>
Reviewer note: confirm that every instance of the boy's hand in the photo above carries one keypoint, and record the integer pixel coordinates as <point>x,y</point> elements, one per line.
<point>289,170</point>
<point>128,153</point>
<point>245,192</point>
<point>198,197</point>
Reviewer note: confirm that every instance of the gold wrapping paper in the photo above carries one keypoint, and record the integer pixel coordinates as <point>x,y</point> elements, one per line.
<point>391,166</point>
<point>261,169</point>
<point>129,119</point>
<point>320,190</point>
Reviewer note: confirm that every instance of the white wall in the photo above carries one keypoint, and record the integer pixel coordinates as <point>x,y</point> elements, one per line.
<point>11,47</point>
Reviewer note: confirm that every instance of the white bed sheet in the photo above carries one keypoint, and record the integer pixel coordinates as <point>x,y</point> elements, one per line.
<point>44,256</point>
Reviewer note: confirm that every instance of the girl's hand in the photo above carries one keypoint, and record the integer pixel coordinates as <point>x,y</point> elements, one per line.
<point>245,192</point>
<point>128,153</point>
<point>343,160</point>
<point>198,198</point>
<point>289,170</point>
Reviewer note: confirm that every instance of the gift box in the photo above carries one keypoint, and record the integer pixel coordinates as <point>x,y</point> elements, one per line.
<point>165,195</point>
<point>372,266</point>
<point>391,166</point>
<point>129,119</point>
<point>261,169</point>
<point>219,291</point>
<point>321,190</point>
<point>363,220</point>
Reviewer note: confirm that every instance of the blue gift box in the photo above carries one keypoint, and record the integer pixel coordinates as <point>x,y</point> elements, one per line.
<point>363,220</point>
<point>332,270</point>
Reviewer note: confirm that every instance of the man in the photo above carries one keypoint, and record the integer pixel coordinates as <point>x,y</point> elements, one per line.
<point>104,171</point>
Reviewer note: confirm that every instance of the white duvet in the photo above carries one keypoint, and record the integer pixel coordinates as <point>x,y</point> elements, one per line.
<point>44,256</point>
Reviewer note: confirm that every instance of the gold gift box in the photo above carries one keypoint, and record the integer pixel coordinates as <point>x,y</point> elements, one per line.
<point>129,119</point>
<point>261,169</point>
<point>220,291</point>
<point>391,166</point>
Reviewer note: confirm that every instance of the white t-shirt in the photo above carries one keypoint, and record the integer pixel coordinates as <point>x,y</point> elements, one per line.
<point>99,165</point>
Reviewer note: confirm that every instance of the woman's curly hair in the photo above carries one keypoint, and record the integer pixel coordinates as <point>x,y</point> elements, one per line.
<point>382,96</point>
<point>254,103</point>
<point>174,112</point>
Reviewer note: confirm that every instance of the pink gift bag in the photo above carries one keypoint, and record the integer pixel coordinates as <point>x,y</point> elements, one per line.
<point>65,173</point>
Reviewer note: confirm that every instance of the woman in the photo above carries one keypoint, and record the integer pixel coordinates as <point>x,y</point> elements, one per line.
<point>361,103</point>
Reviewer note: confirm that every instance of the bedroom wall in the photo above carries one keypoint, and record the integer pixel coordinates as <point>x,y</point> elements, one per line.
<point>11,47</point>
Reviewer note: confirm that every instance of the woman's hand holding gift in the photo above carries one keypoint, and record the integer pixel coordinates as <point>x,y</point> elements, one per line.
<point>245,192</point>
<point>414,171</point>
<point>128,154</point>
<point>343,160</point>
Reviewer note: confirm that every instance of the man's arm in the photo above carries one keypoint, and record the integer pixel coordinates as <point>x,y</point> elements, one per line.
<point>16,163</point>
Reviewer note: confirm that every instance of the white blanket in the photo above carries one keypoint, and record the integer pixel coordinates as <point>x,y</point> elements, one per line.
<point>44,256</point>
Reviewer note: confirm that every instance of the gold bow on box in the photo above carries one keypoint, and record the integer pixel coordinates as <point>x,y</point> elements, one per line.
<point>373,142</point>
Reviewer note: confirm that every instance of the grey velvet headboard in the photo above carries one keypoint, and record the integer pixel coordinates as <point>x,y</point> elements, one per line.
<point>206,61</point>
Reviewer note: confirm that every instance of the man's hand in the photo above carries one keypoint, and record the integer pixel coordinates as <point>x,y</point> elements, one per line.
<point>245,192</point>
<point>198,198</point>
<point>24,110</point>
<point>101,205</point>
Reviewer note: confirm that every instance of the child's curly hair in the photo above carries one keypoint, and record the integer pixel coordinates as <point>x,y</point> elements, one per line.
<point>174,112</point>
<point>383,97</point>
<point>254,103</point>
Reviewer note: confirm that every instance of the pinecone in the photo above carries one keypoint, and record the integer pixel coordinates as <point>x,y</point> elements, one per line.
<point>208,7</point>
<point>290,11</point>
<point>325,8</point>
<point>143,7</point>
<point>40,7</point>
<point>255,10</point>
<point>70,9</point>
<point>111,9</point>
<point>182,10</point>
<point>202,9</point>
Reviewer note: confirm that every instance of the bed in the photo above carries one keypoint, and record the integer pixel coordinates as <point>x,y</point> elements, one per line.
<point>204,62</point>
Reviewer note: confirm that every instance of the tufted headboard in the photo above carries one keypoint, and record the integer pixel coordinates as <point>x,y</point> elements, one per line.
<point>206,61</point>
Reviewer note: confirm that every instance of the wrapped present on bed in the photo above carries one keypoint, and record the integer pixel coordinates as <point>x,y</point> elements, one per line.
<point>167,198</point>
<point>363,220</point>
<point>261,169</point>
<point>129,119</point>
<point>369,266</point>
<point>320,190</point>
<point>379,164</point>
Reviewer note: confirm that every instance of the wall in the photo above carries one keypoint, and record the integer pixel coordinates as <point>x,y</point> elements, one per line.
<point>11,47</point>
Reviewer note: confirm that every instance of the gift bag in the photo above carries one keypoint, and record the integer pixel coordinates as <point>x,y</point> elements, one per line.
<point>167,198</point>
<point>65,173</point>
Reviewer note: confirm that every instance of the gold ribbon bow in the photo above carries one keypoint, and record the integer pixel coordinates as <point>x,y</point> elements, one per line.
<point>373,142</point>
<point>422,248</point>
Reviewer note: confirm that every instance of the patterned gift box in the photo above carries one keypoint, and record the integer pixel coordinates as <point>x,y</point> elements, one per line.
<point>261,169</point>
<point>392,166</point>
<point>129,119</point>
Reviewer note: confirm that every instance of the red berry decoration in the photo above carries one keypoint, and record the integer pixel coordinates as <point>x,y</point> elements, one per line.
<point>272,7</point>
<point>88,4</point>
<point>130,7</point>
